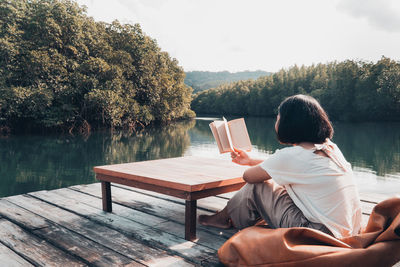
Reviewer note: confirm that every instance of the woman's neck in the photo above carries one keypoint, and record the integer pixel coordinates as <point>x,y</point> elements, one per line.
<point>309,146</point>
<point>306,145</point>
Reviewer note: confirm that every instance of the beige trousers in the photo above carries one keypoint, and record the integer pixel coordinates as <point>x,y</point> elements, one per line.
<point>268,201</point>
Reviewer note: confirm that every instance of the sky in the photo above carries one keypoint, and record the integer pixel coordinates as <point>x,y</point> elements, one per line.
<point>239,35</point>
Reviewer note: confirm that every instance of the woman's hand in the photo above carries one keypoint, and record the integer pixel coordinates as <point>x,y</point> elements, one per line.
<point>240,157</point>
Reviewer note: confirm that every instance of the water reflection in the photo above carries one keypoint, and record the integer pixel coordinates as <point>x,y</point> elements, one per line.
<point>31,163</point>
<point>375,146</point>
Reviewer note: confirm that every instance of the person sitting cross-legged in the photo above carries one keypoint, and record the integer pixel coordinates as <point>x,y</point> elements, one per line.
<point>308,184</point>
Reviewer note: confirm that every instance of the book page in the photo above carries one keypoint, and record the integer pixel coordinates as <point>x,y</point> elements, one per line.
<point>222,135</point>
<point>239,134</point>
<point>216,136</point>
<point>228,134</point>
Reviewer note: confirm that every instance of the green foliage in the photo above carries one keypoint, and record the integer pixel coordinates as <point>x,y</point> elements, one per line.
<point>349,90</point>
<point>202,80</point>
<point>61,69</point>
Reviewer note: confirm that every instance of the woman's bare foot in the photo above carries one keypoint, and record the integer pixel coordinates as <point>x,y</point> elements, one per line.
<point>220,220</point>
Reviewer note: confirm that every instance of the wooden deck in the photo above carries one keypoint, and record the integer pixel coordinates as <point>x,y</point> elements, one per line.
<point>68,227</point>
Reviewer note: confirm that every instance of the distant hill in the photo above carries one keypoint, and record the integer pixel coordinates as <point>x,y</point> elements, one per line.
<point>202,80</point>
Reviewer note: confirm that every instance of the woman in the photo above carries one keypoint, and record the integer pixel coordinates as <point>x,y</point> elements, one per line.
<point>309,184</point>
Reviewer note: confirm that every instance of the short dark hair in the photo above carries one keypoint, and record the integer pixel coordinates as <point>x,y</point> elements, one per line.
<point>302,119</point>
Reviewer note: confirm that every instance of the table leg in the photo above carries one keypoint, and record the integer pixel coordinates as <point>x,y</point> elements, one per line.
<point>106,196</point>
<point>190,219</point>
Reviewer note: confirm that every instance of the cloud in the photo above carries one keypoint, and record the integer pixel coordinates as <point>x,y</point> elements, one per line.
<point>261,34</point>
<point>382,14</point>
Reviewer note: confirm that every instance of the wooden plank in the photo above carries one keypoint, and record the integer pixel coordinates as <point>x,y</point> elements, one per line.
<point>10,259</point>
<point>212,239</point>
<point>376,198</point>
<point>92,252</point>
<point>161,207</point>
<point>148,235</point>
<point>96,233</point>
<point>15,213</point>
<point>35,250</point>
<point>169,261</point>
<point>227,195</point>
<point>367,207</point>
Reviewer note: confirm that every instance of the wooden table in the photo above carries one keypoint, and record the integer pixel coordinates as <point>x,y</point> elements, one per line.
<point>188,178</point>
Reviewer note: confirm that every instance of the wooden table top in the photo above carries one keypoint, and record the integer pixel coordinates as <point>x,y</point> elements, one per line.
<point>188,174</point>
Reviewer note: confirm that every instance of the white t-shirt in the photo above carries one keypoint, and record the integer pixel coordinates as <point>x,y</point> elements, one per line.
<point>322,190</point>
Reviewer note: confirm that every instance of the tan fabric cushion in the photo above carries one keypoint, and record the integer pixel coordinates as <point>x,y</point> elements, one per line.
<point>377,245</point>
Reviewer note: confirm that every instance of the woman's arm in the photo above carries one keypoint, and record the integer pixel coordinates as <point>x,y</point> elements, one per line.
<point>252,175</point>
<point>255,175</point>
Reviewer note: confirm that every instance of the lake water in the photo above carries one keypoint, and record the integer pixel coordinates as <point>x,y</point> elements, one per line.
<point>36,162</point>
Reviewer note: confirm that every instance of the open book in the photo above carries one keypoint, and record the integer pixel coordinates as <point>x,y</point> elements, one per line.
<point>230,134</point>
